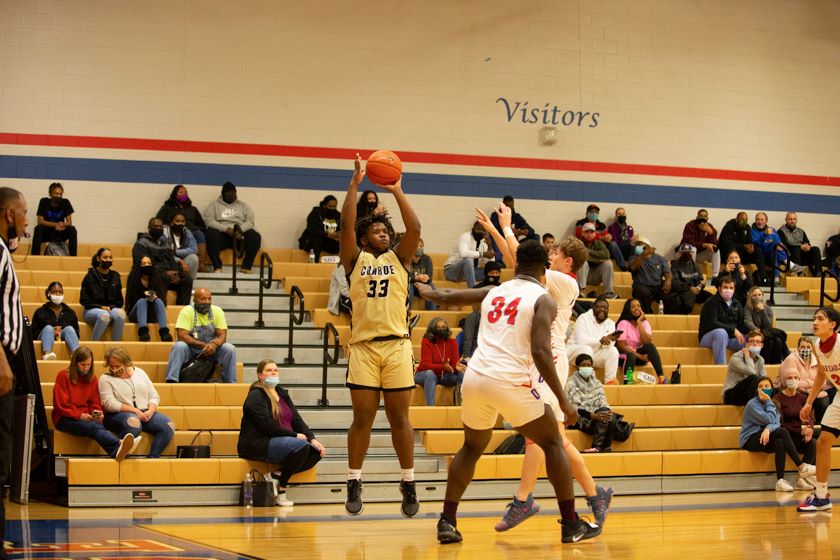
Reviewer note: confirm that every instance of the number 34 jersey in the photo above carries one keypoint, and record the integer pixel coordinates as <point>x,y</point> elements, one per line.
<point>379,292</point>
<point>504,334</point>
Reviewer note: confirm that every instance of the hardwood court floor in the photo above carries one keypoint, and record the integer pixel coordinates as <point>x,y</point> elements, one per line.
<point>751,525</point>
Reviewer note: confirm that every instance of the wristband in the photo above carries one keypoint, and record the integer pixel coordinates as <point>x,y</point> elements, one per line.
<point>508,232</point>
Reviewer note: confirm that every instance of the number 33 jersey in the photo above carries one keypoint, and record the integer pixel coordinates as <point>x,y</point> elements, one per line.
<point>379,292</point>
<point>504,334</point>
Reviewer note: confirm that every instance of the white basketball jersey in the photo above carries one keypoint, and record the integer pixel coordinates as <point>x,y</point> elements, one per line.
<point>830,362</point>
<point>564,290</point>
<point>504,335</point>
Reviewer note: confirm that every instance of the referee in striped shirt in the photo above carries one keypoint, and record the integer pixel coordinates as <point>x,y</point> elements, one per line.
<point>12,227</point>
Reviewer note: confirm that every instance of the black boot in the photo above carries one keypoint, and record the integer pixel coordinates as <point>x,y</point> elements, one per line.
<point>143,334</point>
<point>164,334</point>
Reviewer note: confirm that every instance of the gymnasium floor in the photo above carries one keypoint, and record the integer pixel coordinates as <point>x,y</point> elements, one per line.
<point>734,525</point>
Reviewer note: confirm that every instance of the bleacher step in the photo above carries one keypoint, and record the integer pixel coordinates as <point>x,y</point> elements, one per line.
<point>308,396</point>
<point>302,354</point>
<point>337,418</point>
<point>376,466</point>
<point>251,335</point>
<point>219,285</point>
<point>307,375</point>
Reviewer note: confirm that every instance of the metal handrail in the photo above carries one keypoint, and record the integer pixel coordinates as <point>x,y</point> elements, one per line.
<point>265,284</point>
<point>233,289</point>
<point>773,268</point>
<point>823,295</point>
<point>294,320</point>
<point>328,360</point>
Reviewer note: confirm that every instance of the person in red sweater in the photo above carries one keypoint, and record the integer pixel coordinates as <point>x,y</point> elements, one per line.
<point>77,410</point>
<point>439,360</point>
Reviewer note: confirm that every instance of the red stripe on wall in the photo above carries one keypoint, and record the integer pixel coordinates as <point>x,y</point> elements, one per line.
<point>411,157</point>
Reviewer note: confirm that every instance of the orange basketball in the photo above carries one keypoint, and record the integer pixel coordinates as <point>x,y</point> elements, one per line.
<point>383,168</point>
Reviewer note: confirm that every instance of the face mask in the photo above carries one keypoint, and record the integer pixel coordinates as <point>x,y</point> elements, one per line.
<point>272,381</point>
<point>755,350</point>
<point>203,308</point>
<point>493,280</point>
<point>56,298</point>
<point>805,353</point>
<point>685,257</point>
<point>727,294</point>
<point>105,264</point>
<point>592,216</point>
<point>440,333</point>
<point>757,299</point>
<point>177,229</point>
<point>478,236</point>
<point>418,252</point>
<point>13,238</point>
<point>182,198</point>
<point>791,383</point>
<point>56,200</point>
<point>768,392</point>
<point>83,372</point>
<point>156,233</point>
<point>586,372</point>
<point>621,219</point>
<point>229,198</point>
<point>639,249</point>
<point>146,270</point>
<point>702,220</point>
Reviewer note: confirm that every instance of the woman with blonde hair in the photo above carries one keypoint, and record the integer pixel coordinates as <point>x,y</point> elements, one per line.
<point>272,431</point>
<point>130,401</point>
<point>77,409</point>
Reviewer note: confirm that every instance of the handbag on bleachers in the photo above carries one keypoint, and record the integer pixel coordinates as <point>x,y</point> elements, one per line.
<point>193,451</point>
<point>197,370</point>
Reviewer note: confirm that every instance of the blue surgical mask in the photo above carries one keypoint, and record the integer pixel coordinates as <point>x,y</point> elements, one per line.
<point>586,372</point>
<point>768,392</point>
<point>272,381</point>
<point>592,216</point>
<point>640,249</point>
<point>755,350</point>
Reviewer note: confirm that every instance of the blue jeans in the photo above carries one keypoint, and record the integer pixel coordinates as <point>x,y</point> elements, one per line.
<point>159,426</point>
<point>68,335</point>
<point>429,305</point>
<point>464,270</point>
<point>99,320</point>
<point>718,340</point>
<point>199,236</point>
<point>280,447</point>
<point>93,430</point>
<point>429,380</point>
<point>140,312</point>
<point>182,353</point>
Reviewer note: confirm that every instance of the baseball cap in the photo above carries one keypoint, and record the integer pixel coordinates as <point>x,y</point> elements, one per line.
<point>589,226</point>
<point>593,207</point>
<point>685,248</point>
<point>642,239</point>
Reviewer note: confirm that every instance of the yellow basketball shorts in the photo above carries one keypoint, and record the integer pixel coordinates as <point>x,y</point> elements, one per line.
<point>386,365</point>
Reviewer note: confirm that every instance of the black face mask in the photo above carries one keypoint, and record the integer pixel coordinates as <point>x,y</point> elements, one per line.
<point>203,308</point>
<point>331,213</point>
<point>177,228</point>
<point>229,198</point>
<point>440,333</point>
<point>621,219</point>
<point>55,200</point>
<point>372,204</point>
<point>478,236</point>
<point>155,233</point>
<point>146,270</point>
<point>493,280</point>
<point>105,264</point>
<point>702,220</point>
<point>685,257</point>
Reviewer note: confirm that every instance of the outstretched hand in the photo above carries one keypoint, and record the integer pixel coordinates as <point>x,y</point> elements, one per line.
<point>505,216</point>
<point>483,219</point>
<point>358,174</point>
<point>393,189</point>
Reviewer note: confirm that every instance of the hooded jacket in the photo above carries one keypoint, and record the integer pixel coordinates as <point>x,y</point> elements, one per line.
<point>220,215</point>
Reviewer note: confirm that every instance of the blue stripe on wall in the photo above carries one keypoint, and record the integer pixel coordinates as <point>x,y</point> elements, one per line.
<point>129,171</point>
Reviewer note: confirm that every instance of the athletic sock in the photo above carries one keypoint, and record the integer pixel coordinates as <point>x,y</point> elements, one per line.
<point>822,490</point>
<point>567,510</point>
<point>407,474</point>
<point>354,474</point>
<point>450,511</point>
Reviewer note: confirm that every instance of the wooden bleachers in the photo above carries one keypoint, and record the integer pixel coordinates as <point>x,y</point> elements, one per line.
<point>48,369</point>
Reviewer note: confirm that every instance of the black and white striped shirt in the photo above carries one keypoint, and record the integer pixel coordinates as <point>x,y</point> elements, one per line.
<point>11,315</point>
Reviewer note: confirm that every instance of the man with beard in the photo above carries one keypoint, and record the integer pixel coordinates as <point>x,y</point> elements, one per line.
<point>595,335</point>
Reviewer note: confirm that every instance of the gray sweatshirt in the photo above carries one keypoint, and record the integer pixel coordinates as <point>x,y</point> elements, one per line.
<point>740,367</point>
<point>220,215</point>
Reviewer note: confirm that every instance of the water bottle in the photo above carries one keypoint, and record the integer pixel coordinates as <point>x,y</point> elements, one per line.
<point>311,256</point>
<point>628,376</point>
<point>248,491</point>
<point>661,309</point>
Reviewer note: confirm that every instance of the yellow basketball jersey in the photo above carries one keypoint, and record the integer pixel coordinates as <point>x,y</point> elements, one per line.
<point>379,292</point>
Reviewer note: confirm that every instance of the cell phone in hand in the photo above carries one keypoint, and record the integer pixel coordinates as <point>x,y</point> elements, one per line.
<point>615,334</point>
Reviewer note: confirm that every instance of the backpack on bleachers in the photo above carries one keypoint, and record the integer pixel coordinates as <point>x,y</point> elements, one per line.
<point>512,445</point>
<point>57,249</point>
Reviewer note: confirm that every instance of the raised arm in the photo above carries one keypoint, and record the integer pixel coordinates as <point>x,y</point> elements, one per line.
<point>348,250</point>
<point>507,244</point>
<point>411,238</point>
<point>448,296</point>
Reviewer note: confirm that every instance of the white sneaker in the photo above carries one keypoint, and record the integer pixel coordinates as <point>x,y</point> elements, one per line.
<point>802,484</point>
<point>49,356</point>
<point>282,501</point>
<point>783,485</point>
<point>125,446</point>
<point>796,268</point>
<point>807,471</point>
<point>134,447</point>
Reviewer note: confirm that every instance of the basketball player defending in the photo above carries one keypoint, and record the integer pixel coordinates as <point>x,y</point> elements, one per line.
<point>827,352</point>
<point>380,355</point>
<point>565,258</point>
<point>513,339</point>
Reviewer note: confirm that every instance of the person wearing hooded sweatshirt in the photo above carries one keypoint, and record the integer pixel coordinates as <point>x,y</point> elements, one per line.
<point>468,257</point>
<point>229,218</point>
<point>179,201</point>
<point>322,225</point>
<point>155,246</point>
<point>439,360</point>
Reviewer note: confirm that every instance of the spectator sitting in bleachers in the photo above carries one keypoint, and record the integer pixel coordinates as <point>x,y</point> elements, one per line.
<point>762,430</point>
<point>586,394</point>
<point>767,239</point>
<point>799,246</point>
<point>55,222</point>
<point>339,298</point>
<point>145,299</point>
<point>321,232</point>
<point>636,339</point>
<point>832,254</point>
<point>466,261</point>
<point>130,401</point>
<point>789,402</point>
<point>622,233</point>
<point>424,271</point>
<point>155,246</point>
<point>651,274</point>
<point>722,321</point>
<point>759,316</point>
<point>521,229</point>
<point>598,268</point>
<point>273,431</point>
<point>743,371</point>
<point>202,331</point>
<point>54,320</point>
<point>182,243</point>
<point>702,237</point>
<point>77,409</point>
<point>548,241</point>
<point>594,334</point>
<point>228,219</point>
<point>179,201</point>
<point>102,296</point>
<point>367,204</point>
<point>803,363</point>
<point>439,360</point>
<point>687,283</point>
<point>492,277</point>
<point>736,235</point>
<point>601,234</point>
<point>735,270</point>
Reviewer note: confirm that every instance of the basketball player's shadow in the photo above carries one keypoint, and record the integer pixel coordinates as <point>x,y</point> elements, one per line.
<point>585,550</point>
